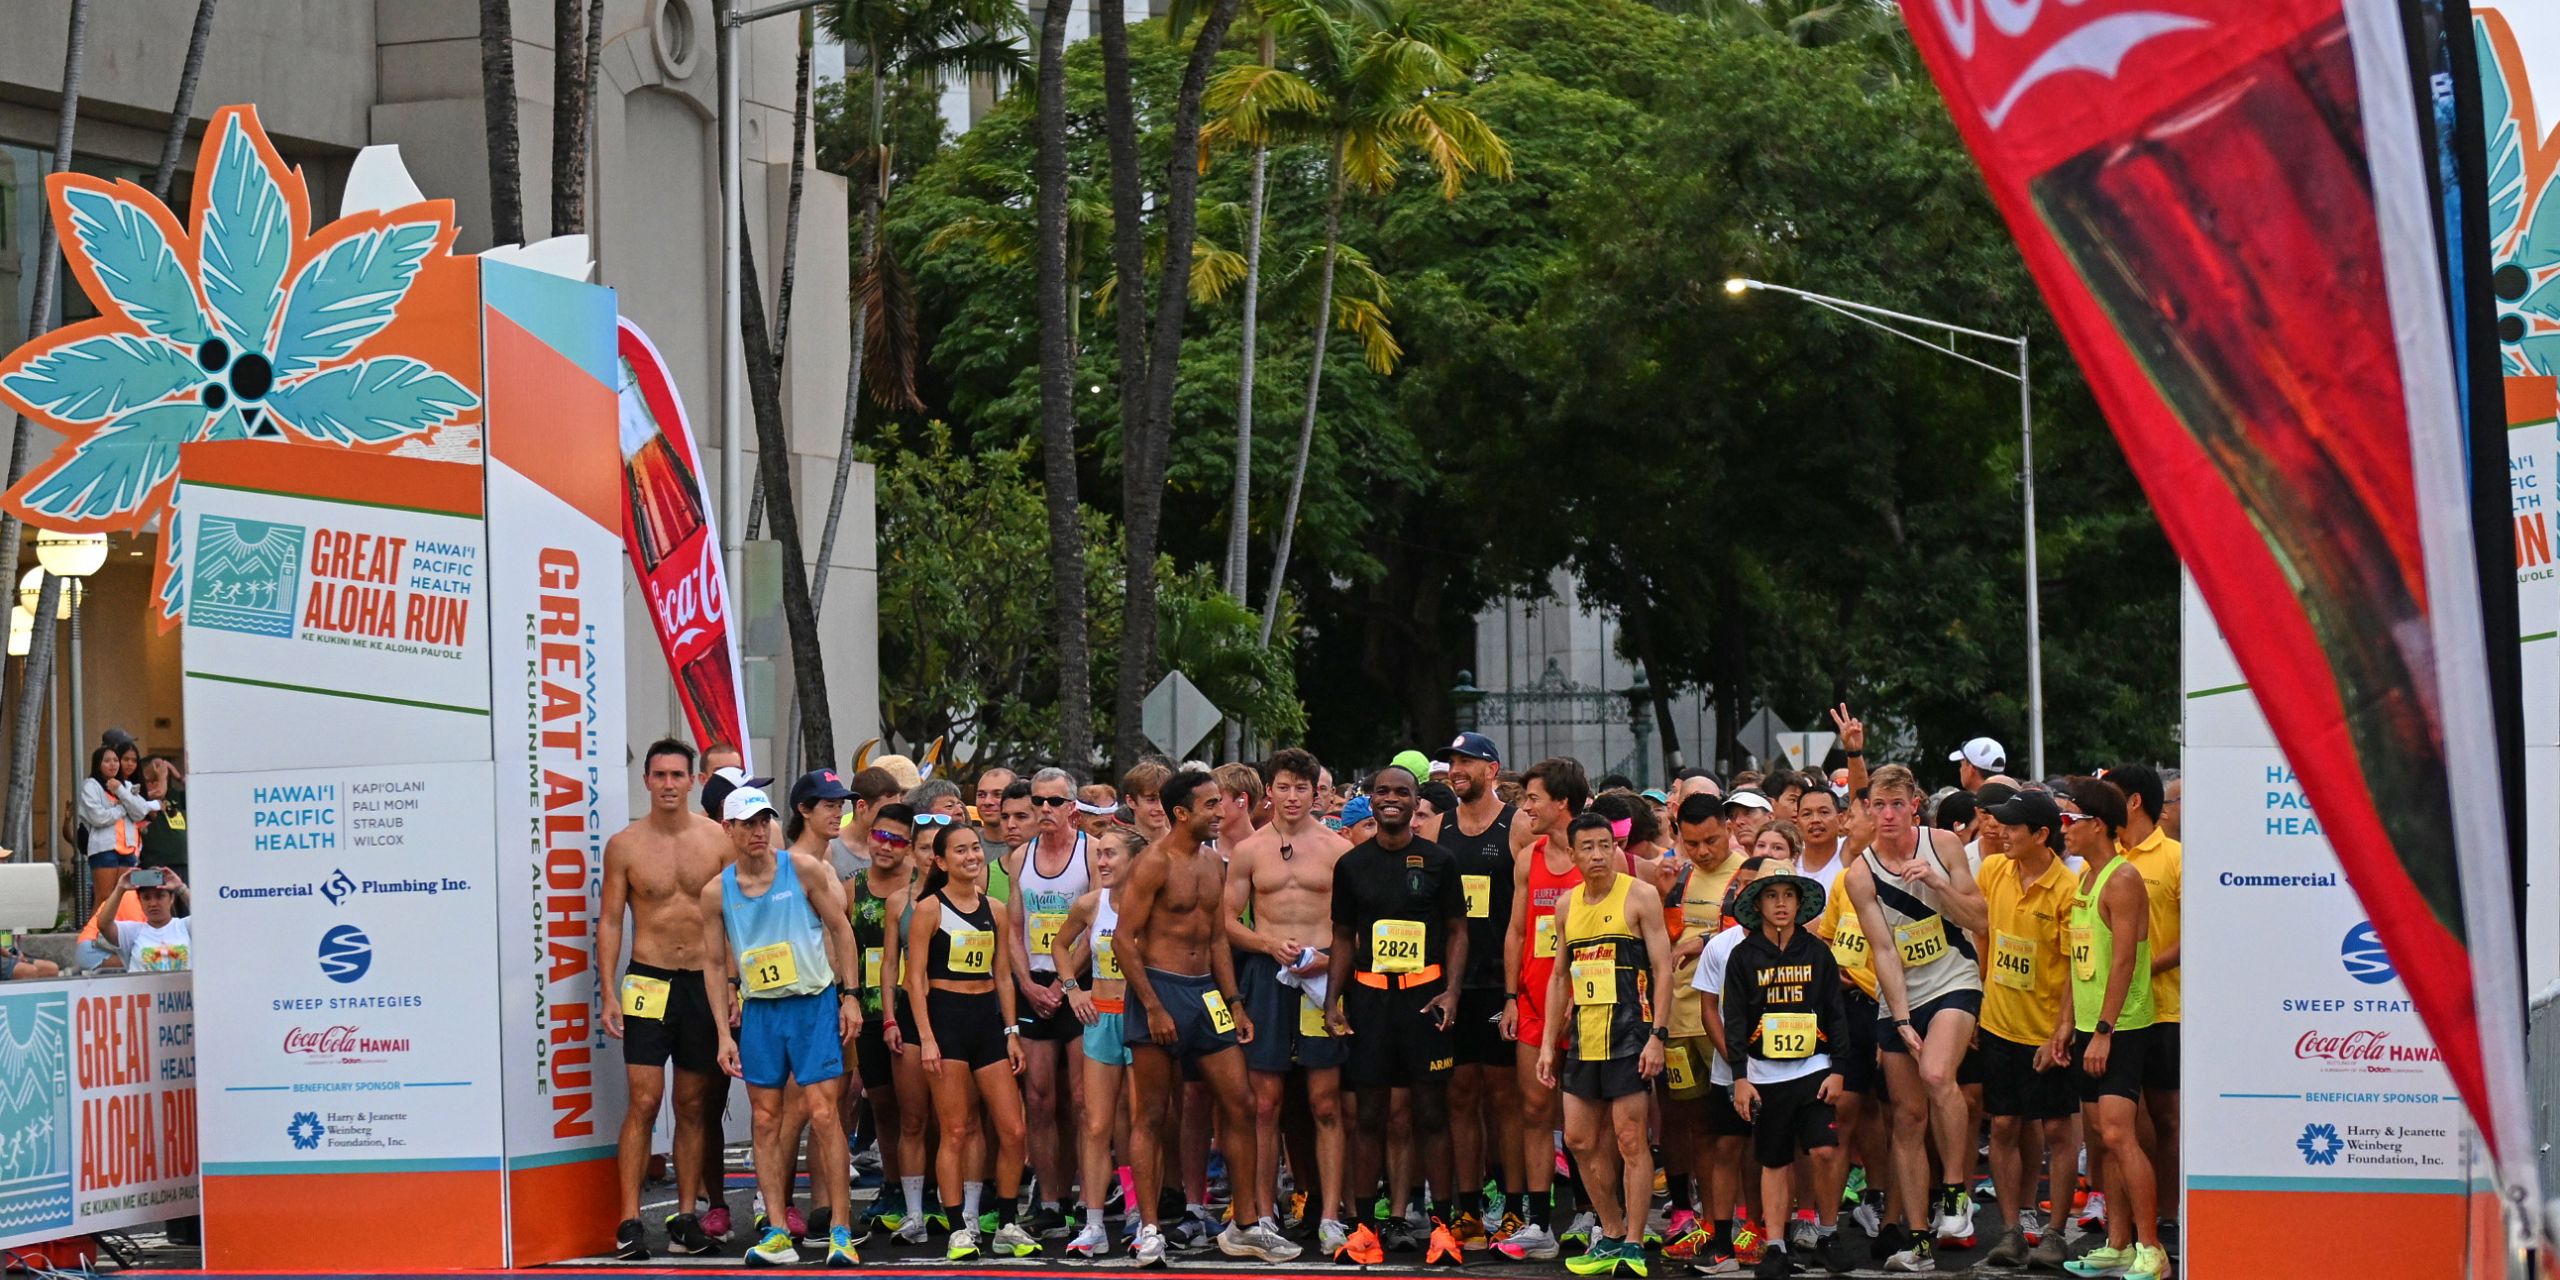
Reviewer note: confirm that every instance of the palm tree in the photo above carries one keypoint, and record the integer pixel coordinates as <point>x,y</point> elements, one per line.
<point>576,39</point>
<point>1058,311</point>
<point>901,39</point>
<point>1372,92</point>
<point>36,674</point>
<point>498,106</point>
<point>1872,26</point>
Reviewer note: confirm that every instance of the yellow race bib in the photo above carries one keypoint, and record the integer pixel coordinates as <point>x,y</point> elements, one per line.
<point>1542,945</point>
<point>1106,959</point>
<point>1479,896</point>
<point>1595,975</point>
<point>1787,1036</point>
<point>2084,953</point>
<point>871,957</point>
<point>770,967</point>
<point>1220,1020</point>
<point>1044,931</point>
<point>1395,946</point>
<point>1921,941</point>
<point>1311,1019</point>
<point>177,822</point>
<point>643,997</point>
<point>2013,961</point>
<point>1676,1064</point>
<point>973,951</point>
<point>1849,944</point>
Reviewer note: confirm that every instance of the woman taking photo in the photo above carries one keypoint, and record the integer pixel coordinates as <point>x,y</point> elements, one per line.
<point>970,1047</point>
<point>113,809</point>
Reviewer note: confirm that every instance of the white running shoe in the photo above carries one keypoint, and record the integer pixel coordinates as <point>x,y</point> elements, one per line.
<point>1530,1244</point>
<point>1331,1235</point>
<point>2094,1214</point>
<point>1803,1239</point>
<point>1261,1240</point>
<point>911,1231</point>
<point>1585,1225</point>
<point>1955,1227</point>
<point>1918,1258</point>
<point>1090,1243</point>
<point>1149,1249</point>
<point>1868,1218</point>
<point>1011,1241</point>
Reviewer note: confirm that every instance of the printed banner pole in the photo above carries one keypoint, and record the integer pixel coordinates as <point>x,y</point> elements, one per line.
<point>674,538</point>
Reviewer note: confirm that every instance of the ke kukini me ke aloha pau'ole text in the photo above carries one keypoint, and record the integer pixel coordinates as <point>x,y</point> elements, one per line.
<point>357,588</point>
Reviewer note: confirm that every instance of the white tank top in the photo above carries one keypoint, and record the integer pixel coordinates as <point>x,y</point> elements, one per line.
<point>1106,923</point>
<point>1044,900</point>
<point>1937,956</point>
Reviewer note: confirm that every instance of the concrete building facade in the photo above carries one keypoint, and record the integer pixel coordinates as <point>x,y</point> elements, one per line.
<point>332,76</point>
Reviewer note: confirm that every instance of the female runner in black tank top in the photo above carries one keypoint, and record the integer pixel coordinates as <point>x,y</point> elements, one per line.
<point>967,1037</point>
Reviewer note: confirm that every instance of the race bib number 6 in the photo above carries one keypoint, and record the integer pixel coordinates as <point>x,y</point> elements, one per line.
<point>1395,946</point>
<point>643,996</point>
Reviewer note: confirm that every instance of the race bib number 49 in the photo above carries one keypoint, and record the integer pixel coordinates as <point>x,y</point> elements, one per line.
<point>973,951</point>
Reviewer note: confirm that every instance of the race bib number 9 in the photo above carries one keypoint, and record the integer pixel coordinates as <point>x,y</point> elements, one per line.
<point>1921,941</point>
<point>1106,959</point>
<point>1787,1036</point>
<point>643,996</point>
<point>1395,946</point>
<point>2084,953</point>
<point>1220,1020</point>
<point>973,951</point>
<point>1595,979</point>
<point>770,967</point>
<point>1044,931</point>
<point>1479,896</point>
<point>2013,961</point>
<point>1543,945</point>
<point>1849,945</point>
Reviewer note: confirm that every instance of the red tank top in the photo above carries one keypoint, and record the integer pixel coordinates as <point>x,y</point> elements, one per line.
<point>1545,889</point>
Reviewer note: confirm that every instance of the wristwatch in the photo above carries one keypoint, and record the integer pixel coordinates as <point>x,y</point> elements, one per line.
<point>845,990</point>
<point>1509,996</point>
<point>1066,986</point>
<point>2105,1028</point>
<point>1662,1033</point>
<point>1013,1031</point>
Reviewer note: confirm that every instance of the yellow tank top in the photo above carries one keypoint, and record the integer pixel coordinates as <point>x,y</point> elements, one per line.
<point>1608,975</point>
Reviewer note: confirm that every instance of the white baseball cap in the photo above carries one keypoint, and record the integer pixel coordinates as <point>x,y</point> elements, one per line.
<point>745,803</point>
<point>1749,799</point>
<point>1985,754</point>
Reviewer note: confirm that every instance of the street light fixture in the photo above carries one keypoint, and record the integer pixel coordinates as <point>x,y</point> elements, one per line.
<point>1465,699</point>
<point>1866,314</point>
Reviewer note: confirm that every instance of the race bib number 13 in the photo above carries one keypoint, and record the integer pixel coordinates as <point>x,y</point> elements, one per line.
<point>770,967</point>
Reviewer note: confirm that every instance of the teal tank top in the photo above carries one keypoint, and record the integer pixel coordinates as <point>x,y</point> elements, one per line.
<point>781,947</point>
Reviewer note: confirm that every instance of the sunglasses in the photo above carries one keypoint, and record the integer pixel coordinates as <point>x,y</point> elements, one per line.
<point>889,839</point>
<point>935,819</point>
<point>2070,820</point>
<point>1053,802</point>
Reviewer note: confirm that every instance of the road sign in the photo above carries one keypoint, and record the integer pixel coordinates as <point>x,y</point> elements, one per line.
<point>1760,734</point>
<point>1176,715</point>
<point>1806,750</point>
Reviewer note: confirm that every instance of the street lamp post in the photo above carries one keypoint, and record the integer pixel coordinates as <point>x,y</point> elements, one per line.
<point>1865,314</point>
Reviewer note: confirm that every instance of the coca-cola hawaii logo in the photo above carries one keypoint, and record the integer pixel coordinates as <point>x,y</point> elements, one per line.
<point>2365,1049</point>
<point>2021,48</point>
<point>342,1041</point>
<point>689,601</point>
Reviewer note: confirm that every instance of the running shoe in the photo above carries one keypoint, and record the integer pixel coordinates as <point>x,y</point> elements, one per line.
<point>1714,1257</point>
<point>1684,1245</point>
<point>1090,1243</point>
<point>1530,1243</point>
<point>1838,1256</point>
<point>1869,1217</point>
<point>840,1252</point>
<point>1631,1259</point>
<point>2031,1225</point>
<point>2150,1262</point>
<point>1045,1222</point>
<point>1854,1191</point>
<point>1330,1234</point>
<point>822,1224</point>
<point>916,1229</point>
<point>1471,1234</point>
<point>2011,1251</point>
<point>987,1223</point>
<point>2050,1253</point>
<point>1773,1264</point>
<point>1148,1250</point>
<point>1893,1239</point>
<point>774,1250</point>
<point>1511,1224</point>
<point>1955,1226</point>
<point>1261,1240</point>
<point>1601,1259</point>
<point>1011,1241</point>
<point>627,1243</point>
<point>1444,1249</point>
<point>1683,1221</point>
<point>2093,1214</point>
<point>888,1210</point>
<point>963,1246</point>
<point>1746,1242</point>
<point>1586,1225</point>
<point>715,1223</point>
<point>798,1224</point>
<point>1802,1231</point>
<point>1191,1235</point>
<point>1922,1255</point>
<point>1398,1236</point>
<point>1361,1248</point>
<point>2105,1260</point>
<point>684,1235</point>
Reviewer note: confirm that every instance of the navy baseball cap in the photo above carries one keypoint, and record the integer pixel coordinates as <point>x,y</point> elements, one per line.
<point>816,785</point>
<point>1474,746</point>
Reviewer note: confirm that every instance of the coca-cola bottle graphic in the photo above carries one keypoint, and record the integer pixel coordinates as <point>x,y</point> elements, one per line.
<point>670,539</point>
<point>2232,239</point>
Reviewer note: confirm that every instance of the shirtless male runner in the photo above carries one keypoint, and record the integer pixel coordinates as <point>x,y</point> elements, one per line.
<point>656,867</point>
<point>1280,879</point>
<point>1175,959</point>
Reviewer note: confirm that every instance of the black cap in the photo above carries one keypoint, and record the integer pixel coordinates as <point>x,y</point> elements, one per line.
<point>1991,793</point>
<point>2034,810</point>
<point>716,788</point>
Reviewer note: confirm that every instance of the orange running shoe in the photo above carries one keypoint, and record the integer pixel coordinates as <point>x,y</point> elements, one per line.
<point>1444,1249</point>
<point>1362,1249</point>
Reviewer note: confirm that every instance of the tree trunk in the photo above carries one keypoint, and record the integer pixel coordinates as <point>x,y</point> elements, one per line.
<point>498,115</point>
<point>1057,385</point>
<point>791,215</point>
<point>773,468</point>
<point>872,204</point>
<point>1315,383</point>
<point>1240,502</point>
<point>182,112</point>
<point>38,669</point>
<point>1638,614</point>
<point>1142,486</point>
<point>570,89</point>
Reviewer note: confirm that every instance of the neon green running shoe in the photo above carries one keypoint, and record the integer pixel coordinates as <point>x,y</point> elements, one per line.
<point>2105,1260</point>
<point>1601,1259</point>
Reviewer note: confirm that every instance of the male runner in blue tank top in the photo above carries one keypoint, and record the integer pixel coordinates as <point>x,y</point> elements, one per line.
<point>786,926</point>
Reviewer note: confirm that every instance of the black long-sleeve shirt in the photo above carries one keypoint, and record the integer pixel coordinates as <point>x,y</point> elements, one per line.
<point>1763,978</point>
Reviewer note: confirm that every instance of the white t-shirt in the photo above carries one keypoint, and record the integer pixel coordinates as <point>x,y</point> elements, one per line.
<point>151,950</point>
<point>1710,979</point>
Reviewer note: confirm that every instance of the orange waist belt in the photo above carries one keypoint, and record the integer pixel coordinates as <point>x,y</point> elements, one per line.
<point>1398,981</point>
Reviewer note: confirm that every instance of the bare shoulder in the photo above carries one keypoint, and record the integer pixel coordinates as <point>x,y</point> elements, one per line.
<point>1642,894</point>
<point>1329,843</point>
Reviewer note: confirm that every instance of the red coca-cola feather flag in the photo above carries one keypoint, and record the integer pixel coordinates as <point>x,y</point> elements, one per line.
<point>2227,204</point>
<point>667,523</point>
